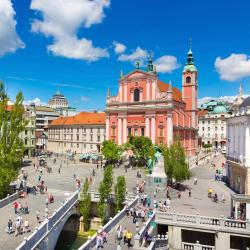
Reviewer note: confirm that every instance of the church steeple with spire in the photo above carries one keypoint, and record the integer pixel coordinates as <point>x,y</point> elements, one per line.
<point>190,60</point>
<point>150,66</point>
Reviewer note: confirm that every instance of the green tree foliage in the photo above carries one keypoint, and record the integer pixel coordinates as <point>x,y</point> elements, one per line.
<point>85,204</point>
<point>12,124</point>
<point>105,188</point>
<point>111,151</point>
<point>175,163</point>
<point>142,148</point>
<point>120,193</point>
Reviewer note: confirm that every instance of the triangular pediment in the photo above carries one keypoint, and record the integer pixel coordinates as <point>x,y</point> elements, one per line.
<point>137,73</point>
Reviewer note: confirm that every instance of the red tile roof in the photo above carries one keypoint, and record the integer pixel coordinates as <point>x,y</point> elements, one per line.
<point>163,87</point>
<point>202,112</point>
<point>82,118</point>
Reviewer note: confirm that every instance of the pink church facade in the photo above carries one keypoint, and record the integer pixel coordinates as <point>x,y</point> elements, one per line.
<point>146,106</point>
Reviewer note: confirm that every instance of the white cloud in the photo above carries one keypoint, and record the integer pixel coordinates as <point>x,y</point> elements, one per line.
<point>166,64</point>
<point>62,20</point>
<point>227,98</point>
<point>37,102</point>
<point>9,40</point>
<point>85,98</point>
<point>138,54</point>
<point>234,67</point>
<point>119,47</point>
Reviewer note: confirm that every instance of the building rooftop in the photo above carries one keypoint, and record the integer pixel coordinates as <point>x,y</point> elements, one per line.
<point>220,109</point>
<point>44,108</point>
<point>164,87</point>
<point>202,112</point>
<point>83,118</point>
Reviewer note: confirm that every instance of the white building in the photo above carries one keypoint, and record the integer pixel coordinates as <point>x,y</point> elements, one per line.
<point>78,134</point>
<point>58,101</point>
<point>44,116</point>
<point>238,158</point>
<point>212,126</point>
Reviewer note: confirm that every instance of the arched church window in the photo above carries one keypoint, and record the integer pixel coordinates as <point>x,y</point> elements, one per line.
<point>136,95</point>
<point>188,79</point>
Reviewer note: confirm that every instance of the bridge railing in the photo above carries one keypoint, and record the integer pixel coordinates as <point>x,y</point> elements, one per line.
<point>145,228</point>
<point>37,236</point>
<point>195,246</point>
<point>61,211</point>
<point>203,221</point>
<point>9,199</point>
<point>89,244</point>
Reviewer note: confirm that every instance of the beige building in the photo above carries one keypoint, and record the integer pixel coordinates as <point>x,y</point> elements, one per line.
<point>82,133</point>
<point>28,135</point>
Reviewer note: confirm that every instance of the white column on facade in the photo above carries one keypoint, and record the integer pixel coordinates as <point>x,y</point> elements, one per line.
<point>125,92</point>
<point>169,129</point>
<point>147,90</point>
<point>120,92</point>
<point>107,127</point>
<point>147,126</point>
<point>124,130</point>
<point>119,131</point>
<point>247,148</point>
<point>153,130</point>
<point>153,89</point>
<point>235,210</point>
<point>140,95</point>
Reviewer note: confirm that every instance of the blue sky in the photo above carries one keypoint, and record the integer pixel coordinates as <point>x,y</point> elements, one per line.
<point>80,49</point>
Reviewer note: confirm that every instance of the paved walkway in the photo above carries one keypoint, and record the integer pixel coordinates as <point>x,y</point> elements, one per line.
<point>126,222</point>
<point>199,201</point>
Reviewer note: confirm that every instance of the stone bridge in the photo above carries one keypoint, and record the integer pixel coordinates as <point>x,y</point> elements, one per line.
<point>46,235</point>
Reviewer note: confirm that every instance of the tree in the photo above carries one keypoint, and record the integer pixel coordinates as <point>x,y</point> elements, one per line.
<point>12,124</point>
<point>105,188</point>
<point>85,204</point>
<point>120,193</point>
<point>175,163</point>
<point>111,151</point>
<point>142,148</point>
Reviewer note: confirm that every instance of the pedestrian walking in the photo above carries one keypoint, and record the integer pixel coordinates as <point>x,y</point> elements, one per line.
<point>129,236</point>
<point>38,216</point>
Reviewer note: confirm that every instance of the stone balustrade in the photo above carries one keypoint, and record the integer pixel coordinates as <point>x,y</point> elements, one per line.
<point>9,199</point>
<point>111,198</point>
<point>213,223</point>
<point>195,246</point>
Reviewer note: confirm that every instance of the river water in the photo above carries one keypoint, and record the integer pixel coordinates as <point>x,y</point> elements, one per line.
<point>69,241</point>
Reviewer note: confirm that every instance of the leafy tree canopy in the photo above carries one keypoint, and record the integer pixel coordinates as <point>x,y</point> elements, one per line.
<point>111,151</point>
<point>12,124</point>
<point>85,204</point>
<point>120,192</point>
<point>142,148</point>
<point>175,163</point>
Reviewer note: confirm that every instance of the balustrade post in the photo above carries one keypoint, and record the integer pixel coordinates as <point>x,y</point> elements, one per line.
<point>248,225</point>
<point>197,246</point>
<point>174,216</point>
<point>198,219</point>
<point>222,221</point>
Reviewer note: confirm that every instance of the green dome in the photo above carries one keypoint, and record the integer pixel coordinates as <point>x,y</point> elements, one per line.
<point>189,67</point>
<point>220,109</point>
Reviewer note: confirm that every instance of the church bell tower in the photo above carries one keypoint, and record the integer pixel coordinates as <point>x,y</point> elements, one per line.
<point>190,87</point>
